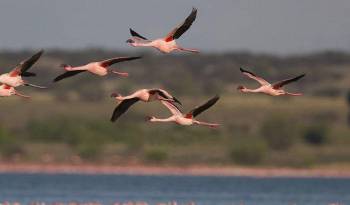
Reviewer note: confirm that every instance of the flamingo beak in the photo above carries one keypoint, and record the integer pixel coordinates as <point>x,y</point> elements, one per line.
<point>148,118</point>
<point>129,41</point>
<point>113,95</point>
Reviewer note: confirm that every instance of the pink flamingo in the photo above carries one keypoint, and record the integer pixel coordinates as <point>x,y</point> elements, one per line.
<point>14,77</point>
<point>168,43</point>
<point>189,118</point>
<point>145,95</point>
<point>266,87</point>
<point>7,91</point>
<point>98,68</point>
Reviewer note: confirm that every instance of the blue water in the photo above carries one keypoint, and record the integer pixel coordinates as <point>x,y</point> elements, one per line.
<point>202,190</point>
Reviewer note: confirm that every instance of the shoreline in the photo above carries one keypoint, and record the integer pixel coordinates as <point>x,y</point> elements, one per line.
<point>173,170</point>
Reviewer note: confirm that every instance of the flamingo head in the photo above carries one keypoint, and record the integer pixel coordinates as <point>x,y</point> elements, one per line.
<point>150,119</point>
<point>241,88</point>
<point>66,67</point>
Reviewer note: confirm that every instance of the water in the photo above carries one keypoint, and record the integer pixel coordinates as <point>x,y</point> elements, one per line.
<point>202,190</point>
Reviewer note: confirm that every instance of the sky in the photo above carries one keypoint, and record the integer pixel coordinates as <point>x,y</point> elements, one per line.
<point>269,26</point>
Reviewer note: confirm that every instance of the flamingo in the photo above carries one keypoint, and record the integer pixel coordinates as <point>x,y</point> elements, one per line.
<point>7,91</point>
<point>14,77</point>
<point>168,43</point>
<point>186,119</point>
<point>145,95</point>
<point>98,68</point>
<point>267,88</point>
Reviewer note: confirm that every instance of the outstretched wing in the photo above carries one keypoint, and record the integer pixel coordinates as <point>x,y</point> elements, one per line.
<point>171,107</point>
<point>68,74</point>
<point>164,95</point>
<point>23,66</point>
<point>254,77</point>
<point>183,27</point>
<point>280,84</point>
<point>135,34</point>
<point>122,108</point>
<point>199,109</point>
<point>112,61</point>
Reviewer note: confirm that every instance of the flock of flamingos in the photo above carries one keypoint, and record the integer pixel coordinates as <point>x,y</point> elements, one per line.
<point>9,81</point>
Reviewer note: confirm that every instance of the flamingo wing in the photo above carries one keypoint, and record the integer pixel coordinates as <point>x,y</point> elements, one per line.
<point>280,84</point>
<point>164,95</point>
<point>171,107</point>
<point>254,77</point>
<point>112,61</point>
<point>199,109</point>
<point>122,108</point>
<point>24,66</point>
<point>183,27</point>
<point>135,34</point>
<point>68,74</point>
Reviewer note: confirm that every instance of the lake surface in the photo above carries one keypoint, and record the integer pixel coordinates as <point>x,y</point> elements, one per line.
<point>202,190</point>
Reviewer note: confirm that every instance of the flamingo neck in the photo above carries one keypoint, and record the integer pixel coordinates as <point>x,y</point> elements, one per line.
<point>247,90</point>
<point>170,119</point>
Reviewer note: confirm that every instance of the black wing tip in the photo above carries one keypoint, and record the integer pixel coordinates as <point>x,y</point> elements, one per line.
<point>41,51</point>
<point>216,97</point>
<point>113,119</point>
<point>132,31</point>
<point>58,78</point>
<point>135,57</point>
<point>246,71</point>
<point>28,74</point>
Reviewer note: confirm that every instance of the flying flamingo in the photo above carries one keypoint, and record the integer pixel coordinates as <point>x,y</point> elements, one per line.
<point>145,95</point>
<point>98,68</point>
<point>7,91</point>
<point>187,119</point>
<point>267,88</point>
<point>14,77</point>
<point>168,43</point>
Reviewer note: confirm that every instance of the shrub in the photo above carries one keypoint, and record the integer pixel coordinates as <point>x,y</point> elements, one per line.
<point>249,151</point>
<point>89,147</point>
<point>156,155</point>
<point>278,132</point>
<point>315,135</point>
<point>348,97</point>
<point>9,146</point>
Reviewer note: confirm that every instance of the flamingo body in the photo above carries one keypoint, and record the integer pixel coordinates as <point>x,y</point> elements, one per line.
<point>6,91</point>
<point>13,81</point>
<point>94,68</point>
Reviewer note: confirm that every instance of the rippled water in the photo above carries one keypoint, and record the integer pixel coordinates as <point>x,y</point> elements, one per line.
<point>203,190</point>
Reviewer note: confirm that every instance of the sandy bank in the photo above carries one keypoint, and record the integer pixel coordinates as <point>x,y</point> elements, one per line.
<point>169,170</point>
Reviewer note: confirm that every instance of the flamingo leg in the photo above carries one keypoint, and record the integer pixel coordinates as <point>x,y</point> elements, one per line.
<point>211,125</point>
<point>21,95</point>
<point>34,86</point>
<point>188,49</point>
<point>123,74</point>
<point>294,94</point>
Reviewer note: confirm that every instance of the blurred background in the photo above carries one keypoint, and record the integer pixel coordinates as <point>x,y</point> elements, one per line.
<point>69,122</point>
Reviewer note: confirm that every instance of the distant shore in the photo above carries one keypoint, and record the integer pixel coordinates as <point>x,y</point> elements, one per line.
<point>171,170</point>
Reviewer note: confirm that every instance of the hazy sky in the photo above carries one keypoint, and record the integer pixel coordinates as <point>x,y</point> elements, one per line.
<point>275,26</point>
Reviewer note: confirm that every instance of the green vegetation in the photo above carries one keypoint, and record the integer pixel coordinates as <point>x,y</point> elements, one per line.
<point>316,135</point>
<point>70,120</point>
